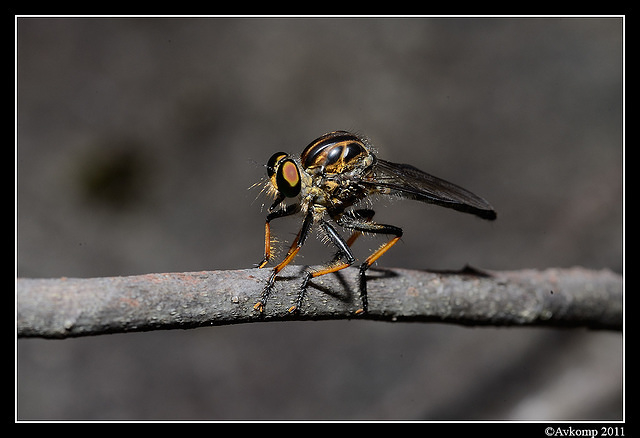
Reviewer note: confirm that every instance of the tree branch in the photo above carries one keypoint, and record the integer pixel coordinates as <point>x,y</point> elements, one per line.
<point>71,307</point>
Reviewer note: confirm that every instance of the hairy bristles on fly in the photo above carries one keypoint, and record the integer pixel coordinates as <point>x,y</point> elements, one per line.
<point>368,145</point>
<point>269,189</point>
<point>322,236</point>
<point>266,189</point>
<point>276,248</point>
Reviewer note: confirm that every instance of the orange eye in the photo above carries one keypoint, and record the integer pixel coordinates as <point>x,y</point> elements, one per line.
<point>288,178</point>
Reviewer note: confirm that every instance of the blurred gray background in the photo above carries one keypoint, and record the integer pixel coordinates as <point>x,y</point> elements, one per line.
<point>138,142</point>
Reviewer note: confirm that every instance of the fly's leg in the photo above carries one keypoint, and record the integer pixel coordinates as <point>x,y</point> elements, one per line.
<point>343,258</point>
<point>286,211</point>
<point>387,229</point>
<point>364,214</point>
<point>363,225</point>
<point>293,250</point>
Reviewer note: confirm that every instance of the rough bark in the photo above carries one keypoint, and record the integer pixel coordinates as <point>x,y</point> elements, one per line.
<point>71,307</point>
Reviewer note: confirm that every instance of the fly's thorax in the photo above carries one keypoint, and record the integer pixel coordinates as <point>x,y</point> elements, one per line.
<point>337,152</point>
<point>333,192</point>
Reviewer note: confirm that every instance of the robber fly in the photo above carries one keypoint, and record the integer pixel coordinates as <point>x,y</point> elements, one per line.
<point>334,173</point>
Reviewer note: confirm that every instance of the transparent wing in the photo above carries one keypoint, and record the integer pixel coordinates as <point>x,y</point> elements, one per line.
<point>412,183</point>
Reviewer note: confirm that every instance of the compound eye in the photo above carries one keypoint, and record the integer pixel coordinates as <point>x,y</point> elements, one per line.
<point>288,178</point>
<point>273,163</point>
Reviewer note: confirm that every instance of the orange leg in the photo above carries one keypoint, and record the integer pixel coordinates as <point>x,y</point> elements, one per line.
<point>293,250</point>
<point>267,245</point>
<point>343,259</point>
<point>363,270</point>
<point>361,222</point>
<point>287,211</point>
